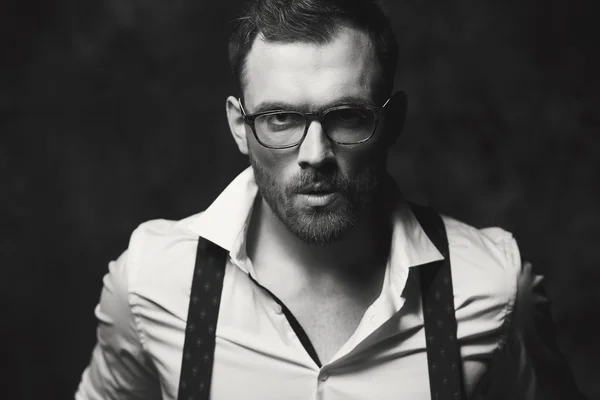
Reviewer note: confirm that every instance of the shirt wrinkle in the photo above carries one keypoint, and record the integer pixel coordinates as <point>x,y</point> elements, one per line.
<point>253,342</point>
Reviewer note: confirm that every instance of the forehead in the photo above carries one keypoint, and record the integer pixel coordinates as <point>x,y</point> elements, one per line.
<point>311,75</point>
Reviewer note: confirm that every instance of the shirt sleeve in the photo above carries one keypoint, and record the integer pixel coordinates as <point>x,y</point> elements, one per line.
<point>119,367</point>
<point>511,374</point>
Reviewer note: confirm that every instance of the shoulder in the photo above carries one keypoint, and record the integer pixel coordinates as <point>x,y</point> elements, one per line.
<point>161,256</point>
<point>486,271</point>
<point>161,236</point>
<point>492,251</point>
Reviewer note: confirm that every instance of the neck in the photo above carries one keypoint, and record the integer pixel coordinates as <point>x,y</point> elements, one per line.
<point>358,255</point>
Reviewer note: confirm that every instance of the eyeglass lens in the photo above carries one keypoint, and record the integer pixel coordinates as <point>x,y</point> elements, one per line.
<point>345,125</point>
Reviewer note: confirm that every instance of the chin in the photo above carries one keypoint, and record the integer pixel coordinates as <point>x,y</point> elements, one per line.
<point>318,225</point>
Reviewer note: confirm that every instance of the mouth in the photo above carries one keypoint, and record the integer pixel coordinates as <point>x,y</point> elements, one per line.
<point>318,195</point>
<point>317,189</point>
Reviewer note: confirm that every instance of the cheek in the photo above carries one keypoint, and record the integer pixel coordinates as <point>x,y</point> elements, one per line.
<point>353,161</point>
<point>276,163</point>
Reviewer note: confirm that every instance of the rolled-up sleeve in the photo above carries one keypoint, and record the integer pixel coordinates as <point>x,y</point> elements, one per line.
<point>119,367</point>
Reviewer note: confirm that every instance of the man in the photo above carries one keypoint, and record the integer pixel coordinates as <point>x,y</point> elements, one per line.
<point>321,294</point>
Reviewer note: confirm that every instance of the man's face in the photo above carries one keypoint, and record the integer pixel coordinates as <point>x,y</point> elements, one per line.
<point>318,189</point>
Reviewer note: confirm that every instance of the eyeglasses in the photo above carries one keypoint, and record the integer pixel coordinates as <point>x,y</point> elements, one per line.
<point>343,124</point>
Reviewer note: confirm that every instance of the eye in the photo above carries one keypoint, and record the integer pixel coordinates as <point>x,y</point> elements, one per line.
<point>349,116</point>
<point>281,121</point>
<point>280,118</point>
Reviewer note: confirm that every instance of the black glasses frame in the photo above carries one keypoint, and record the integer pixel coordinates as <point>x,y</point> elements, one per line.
<point>309,118</point>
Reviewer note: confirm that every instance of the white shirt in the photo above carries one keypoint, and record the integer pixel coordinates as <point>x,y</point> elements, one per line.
<point>144,304</point>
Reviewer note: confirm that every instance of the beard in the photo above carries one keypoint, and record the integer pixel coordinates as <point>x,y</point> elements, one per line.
<point>320,225</point>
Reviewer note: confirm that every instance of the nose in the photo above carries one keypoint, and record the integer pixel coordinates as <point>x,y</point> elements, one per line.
<point>315,150</point>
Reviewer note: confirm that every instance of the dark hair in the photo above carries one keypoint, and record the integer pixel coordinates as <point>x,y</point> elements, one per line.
<point>313,21</point>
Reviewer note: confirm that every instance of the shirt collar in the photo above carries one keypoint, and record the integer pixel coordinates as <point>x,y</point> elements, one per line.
<point>226,218</point>
<point>225,221</point>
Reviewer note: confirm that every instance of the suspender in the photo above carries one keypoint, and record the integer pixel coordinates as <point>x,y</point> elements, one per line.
<point>443,357</point>
<point>443,352</point>
<point>199,345</point>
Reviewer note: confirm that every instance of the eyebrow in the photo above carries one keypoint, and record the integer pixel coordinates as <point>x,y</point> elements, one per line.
<point>282,105</point>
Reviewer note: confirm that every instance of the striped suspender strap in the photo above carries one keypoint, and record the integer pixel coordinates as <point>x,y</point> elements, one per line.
<point>445,372</point>
<point>443,352</point>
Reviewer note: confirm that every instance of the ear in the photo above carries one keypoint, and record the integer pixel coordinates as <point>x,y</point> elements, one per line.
<point>236,124</point>
<point>395,116</point>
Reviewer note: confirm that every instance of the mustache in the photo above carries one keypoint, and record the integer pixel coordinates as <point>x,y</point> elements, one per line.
<point>332,180</point>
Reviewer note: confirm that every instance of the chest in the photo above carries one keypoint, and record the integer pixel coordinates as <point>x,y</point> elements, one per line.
<point>328,324</point>
<point>254,345</point>
<point>325,315</point>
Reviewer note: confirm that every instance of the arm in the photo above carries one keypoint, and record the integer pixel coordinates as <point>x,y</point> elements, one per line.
<point>511,374</point>
<point>119,368</point>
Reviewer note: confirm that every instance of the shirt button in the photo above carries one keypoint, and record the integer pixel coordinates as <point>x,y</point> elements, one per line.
<point>278,309</point>
<point>324,376</point>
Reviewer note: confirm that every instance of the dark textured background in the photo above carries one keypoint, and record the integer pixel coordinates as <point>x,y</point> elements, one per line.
<point>112,113</point>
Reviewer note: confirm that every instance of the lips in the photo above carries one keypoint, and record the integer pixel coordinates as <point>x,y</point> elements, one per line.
<point>318,199</point>
<point>318,194</point>
<point>317,189</point>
